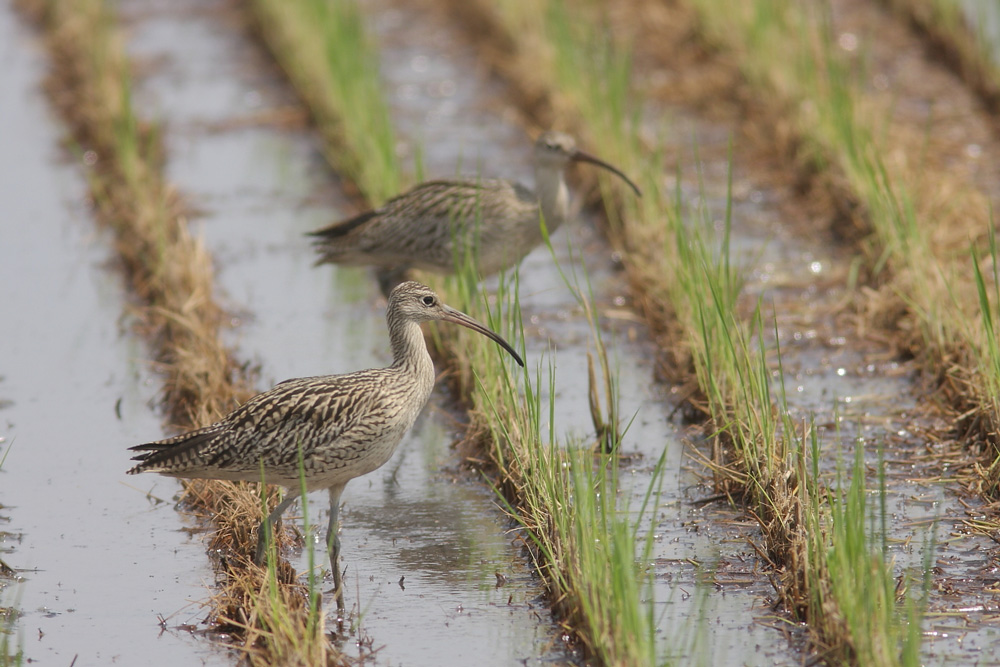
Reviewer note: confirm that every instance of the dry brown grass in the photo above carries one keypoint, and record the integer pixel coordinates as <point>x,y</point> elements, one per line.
<point>171,275</point>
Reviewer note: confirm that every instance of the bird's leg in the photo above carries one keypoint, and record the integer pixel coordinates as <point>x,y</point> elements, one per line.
<point>333,545</point>
<point>267,527</point>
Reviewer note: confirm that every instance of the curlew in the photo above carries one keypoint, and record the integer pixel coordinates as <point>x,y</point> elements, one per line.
<point>330,428</point>
<point>438,223</point>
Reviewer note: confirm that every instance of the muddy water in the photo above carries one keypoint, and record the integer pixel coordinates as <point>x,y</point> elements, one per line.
<point>98,559</point>
<point>422,542</point>
<point>423,55</point>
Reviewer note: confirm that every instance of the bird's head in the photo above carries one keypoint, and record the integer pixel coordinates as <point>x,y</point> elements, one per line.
<point>415,302</point>
<point>554,149</point>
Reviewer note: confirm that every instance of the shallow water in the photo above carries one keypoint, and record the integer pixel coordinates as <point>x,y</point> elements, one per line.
<point>422,541</point>
<point>98,559</point>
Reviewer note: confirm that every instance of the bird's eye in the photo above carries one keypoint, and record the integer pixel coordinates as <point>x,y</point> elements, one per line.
<point>428,300</point>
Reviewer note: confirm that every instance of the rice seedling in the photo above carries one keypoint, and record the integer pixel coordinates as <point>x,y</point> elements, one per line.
<point>583,544</point>
<point>562,497</point>
<point>290,622</point>
<point>987,354</point>
<point>920,223</point>
<point>847,544</point>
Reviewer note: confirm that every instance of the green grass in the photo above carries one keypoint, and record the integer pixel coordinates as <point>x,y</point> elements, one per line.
<point>987,357</point>
<point>584,545</point>
<point>288,637</point>
<point>847,542</point>
<point>563,496</point>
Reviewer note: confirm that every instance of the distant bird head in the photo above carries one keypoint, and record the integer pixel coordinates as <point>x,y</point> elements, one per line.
<point>554,149</point>
<point>418,303</point>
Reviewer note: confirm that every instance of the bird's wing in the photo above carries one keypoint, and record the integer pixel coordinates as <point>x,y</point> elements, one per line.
<point>421,224</point>
<point>343,227</point>
<point>271,427</point>
<point>428,221</point>
<point>428,200</point>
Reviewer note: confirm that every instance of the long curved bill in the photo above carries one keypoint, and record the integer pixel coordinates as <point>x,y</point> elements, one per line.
<point>581,156</point>
<point>458,317</point>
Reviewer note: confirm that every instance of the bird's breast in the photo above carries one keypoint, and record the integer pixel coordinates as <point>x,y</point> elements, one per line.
<point>374,434</point>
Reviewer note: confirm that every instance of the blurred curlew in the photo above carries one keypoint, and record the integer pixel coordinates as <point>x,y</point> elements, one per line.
<point>330,428</point>
<point>437,223</point>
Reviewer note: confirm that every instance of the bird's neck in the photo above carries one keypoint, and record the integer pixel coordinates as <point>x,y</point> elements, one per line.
<point>553,196</point>
<point>409,351</point>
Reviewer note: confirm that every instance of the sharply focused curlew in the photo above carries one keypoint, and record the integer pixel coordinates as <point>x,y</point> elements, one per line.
<point>437,223</point>
<point>330,428</point>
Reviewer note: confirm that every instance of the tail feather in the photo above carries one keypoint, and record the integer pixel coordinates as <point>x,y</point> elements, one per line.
<point>343,227</point>
<point>173,454</point>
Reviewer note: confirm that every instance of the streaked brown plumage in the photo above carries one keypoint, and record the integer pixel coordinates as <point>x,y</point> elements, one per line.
<point>337,426</point>
<point>438,222</point>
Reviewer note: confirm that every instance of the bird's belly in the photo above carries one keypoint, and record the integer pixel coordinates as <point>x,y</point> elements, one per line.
<point>354,460</point>
<point>501,247</point>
